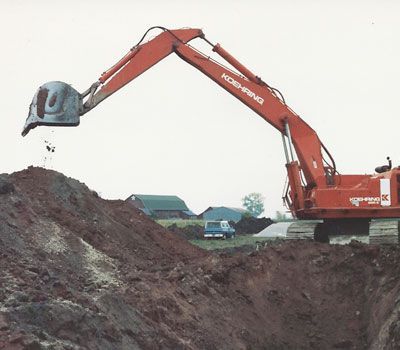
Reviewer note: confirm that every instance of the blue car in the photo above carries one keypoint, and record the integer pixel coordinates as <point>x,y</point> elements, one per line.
<point>218,229</point>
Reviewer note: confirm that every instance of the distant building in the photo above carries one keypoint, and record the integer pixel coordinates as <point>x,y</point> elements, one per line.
<point>223,213</point>
<point>162,207</point>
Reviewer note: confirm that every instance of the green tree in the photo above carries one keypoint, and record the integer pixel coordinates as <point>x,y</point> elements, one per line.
<point>254,203</point>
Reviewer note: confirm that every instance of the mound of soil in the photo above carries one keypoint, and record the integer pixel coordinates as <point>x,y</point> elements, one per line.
<point>188,232</point>
<point>251,225</point>
<point>80,272</point>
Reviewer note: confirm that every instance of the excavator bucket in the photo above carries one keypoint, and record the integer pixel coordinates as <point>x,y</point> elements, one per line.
<point>54,104</point>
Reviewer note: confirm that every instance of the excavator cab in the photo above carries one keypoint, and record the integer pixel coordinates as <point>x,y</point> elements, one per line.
<point>54,104</point>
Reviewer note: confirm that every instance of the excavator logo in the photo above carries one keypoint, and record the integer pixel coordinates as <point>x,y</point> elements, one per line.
<point>243,88</point>
<point>369,200</point>
<point>385,193</point>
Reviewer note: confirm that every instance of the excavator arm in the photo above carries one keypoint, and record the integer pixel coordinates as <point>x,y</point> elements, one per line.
<point>245,86</point>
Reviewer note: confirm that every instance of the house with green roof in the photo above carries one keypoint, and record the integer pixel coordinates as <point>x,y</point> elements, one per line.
<point>161,207</point>
<point>224,213</point>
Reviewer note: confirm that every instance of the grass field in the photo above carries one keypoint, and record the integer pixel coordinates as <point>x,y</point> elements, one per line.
<point>238,241</point>
<point>214,244</point>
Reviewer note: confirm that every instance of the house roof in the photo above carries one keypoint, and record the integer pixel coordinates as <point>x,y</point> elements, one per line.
<point>160,202</point>
<point>239,210</point>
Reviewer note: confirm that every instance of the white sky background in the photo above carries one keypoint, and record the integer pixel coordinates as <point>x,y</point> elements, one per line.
<point>173,130</point>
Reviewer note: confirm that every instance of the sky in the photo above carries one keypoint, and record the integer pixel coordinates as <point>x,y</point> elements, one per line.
<point>174,131</point>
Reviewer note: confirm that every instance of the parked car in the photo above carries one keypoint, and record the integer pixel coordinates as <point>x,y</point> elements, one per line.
<point>218,229</point>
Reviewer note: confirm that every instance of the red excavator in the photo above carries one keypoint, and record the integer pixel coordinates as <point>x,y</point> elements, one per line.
<point>325,201</point>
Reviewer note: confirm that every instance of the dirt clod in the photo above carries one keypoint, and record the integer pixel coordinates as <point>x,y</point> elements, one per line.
<point>49,147</point>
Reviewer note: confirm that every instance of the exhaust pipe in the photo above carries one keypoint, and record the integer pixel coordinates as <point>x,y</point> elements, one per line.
<point>54,104</point>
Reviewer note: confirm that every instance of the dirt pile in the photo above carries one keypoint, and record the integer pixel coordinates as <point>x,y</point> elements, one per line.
<point>80,272</point>
<point>188,232</point>
<point>251,225</point>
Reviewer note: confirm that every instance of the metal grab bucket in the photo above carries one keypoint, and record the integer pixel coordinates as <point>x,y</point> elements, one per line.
<point>54,104</point>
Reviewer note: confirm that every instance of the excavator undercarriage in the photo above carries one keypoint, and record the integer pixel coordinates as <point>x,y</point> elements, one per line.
<point>378,231</point>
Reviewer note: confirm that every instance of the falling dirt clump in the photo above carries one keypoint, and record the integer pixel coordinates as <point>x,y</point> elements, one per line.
<point>80,272</point>
<point>49,146</point>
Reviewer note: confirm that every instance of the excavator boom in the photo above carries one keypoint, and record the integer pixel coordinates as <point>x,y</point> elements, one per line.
<point>247,87</point>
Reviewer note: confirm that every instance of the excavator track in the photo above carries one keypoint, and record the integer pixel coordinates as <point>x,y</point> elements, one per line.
<point>381,231</point>
<point>302,230</point>
<point>384,232</point>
